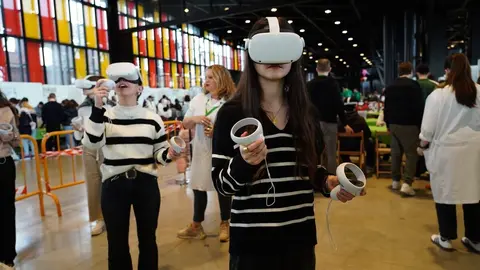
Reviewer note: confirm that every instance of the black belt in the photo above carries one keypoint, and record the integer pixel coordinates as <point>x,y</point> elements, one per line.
<point>130,174</point>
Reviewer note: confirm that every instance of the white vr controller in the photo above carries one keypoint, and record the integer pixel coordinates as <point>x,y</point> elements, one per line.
<point>353,187</point>
<point>5,128</point>
<point>86,84</point>
<point>247,140</point>
<point>178,144</point>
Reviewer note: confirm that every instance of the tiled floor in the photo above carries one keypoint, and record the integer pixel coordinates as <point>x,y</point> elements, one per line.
<point>380,231</point>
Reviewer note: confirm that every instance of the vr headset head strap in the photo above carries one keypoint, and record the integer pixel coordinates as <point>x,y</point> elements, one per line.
<point>273,25</point>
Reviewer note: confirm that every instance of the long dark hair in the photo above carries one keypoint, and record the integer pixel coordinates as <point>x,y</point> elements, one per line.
<point>4,102</point>
<point>460,78</point>
<point>307,134</point>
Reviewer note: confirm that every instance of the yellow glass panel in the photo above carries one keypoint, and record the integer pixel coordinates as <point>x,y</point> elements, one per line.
<point>197,76</point>
<point>166,50</point>
<point>151,42</point>
<point>132,23</point>
<point>135,44</point>
<point>156,16</point>
<point>122,6</point>
<point>191,49</point>
<point>185,27</point>
<point>104,62</point>
<point>63,21</point>
<point>90,28</point>
<point>186,74</point>
<point>235,60</point>
<point>140,12</point>
<point>174,75</point>
<point>80,63</point>
<point>212,52</point>
<point>144,71</point>
<point>30,16</point>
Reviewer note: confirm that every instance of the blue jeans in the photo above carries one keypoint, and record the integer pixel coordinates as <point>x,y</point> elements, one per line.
<point>28,149</point>
<point>69,138</point>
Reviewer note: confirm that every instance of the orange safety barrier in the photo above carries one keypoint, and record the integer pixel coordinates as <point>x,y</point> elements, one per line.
<point>25,192</point>
<point>58,154</point>
<point>172,126</point>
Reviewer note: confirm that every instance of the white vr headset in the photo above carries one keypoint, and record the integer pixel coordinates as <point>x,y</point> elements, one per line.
<point>275,47</point>
<point>87,84</point>
<point>124,70</point>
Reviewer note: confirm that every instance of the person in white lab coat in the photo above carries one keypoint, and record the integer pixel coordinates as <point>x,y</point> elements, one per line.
<point>218,88</point>
<point>450,141</point>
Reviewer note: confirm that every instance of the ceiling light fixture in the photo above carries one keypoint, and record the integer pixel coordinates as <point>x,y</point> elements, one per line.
<point>274,10</point>
<point>316,61</point>
<point>304,53</point>
<point>186,10</point>
<point>344,63</point>
<point>326,49</point>
<point>337,22</point>
<point>336,56</point>
<point>341,60</point>
<point>320,44</point>
<point>328,11</point>
<point>362,54</point>
<point>364,58</point>
<point>226,8</point>
<point>247,21</point>
<point>350,39</point>
<point>305,69</point>
<point>348,66</point>
<point>302,30</point>
<point>344,32</point>
<point>311,57</point>
<point>290,21</point>
<point>245,39</point>
<point>355,45</point>
<point>229,31</point>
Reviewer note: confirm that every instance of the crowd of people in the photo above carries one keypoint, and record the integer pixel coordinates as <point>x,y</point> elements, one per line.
<point>266,207</point>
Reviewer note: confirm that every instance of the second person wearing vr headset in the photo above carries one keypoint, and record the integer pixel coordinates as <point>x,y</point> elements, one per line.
<point>273,221</point>
<point>133,141</point>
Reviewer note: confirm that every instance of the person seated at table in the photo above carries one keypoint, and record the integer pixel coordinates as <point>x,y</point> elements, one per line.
<point>380,119</point>
<point>358,124</point>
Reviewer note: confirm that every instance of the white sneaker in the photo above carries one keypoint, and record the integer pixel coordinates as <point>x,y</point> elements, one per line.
<point>443,244</point>
<point>407,190</point>
<point>396,185</point>
<point>98,228</point>
<point>6,267</point>
<point>475,247</point>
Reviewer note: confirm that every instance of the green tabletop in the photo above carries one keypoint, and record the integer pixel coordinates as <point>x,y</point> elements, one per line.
<point>371,121</point>
<point>384,139</point>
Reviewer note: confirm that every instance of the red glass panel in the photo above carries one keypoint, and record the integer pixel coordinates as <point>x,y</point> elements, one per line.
<point>122,22</point>
<point>181,79</point>
<point>102,29</point>
<point>152,73</point>
<point>13,24</point>
<point>173,45</point>
<point>158,43</point>
<point>164,17</point>
<point>131,8</point>
<point>142,41</point>
<point>35,69</point>
<point>48,22</point>
<point>168,75</point>
<point>3,63</point>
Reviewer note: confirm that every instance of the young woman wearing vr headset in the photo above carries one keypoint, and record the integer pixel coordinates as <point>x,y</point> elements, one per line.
<point>133,141</point>
<point>272,229</point>
<point>92,158</point>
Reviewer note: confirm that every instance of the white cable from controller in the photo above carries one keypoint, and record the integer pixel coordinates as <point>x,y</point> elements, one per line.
<point>247,140</point>
<point>344,181</point>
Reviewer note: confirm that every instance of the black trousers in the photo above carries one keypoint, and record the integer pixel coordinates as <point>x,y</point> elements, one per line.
<point>118,195</point>
<point>282,261</point>
<point>7,211</point>
<point>200,205</point>
<point>447,221</point>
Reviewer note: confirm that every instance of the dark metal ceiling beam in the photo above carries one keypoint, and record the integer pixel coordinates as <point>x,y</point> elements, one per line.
<point>352,2</point>
<point>218,15</point>
<point>314,25</point>
<point>222,19</point>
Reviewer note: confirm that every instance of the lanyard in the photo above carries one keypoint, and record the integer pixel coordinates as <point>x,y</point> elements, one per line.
<point>208,112</point>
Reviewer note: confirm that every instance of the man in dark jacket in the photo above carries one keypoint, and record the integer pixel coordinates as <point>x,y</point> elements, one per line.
<point>325,94</point>
<point>53,116</point>
<point>404,104</point>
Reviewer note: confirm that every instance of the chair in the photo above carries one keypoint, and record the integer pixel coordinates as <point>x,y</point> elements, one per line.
<point>380,151</point>
<point>360,153</point>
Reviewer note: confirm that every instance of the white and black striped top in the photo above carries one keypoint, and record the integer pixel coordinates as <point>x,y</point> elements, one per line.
<point>288,224</point>
<point>130,137</point>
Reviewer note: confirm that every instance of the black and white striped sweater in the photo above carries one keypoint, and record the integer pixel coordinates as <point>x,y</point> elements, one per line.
<point>130,137</point>
<point>288,224</point>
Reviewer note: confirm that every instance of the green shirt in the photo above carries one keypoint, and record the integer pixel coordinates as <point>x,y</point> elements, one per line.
<point>347,93</point>
<point>427,86</point>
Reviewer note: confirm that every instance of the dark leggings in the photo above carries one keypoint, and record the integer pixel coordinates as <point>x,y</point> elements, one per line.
<point>447,221</point>
<point>200,205</point>
<point>7,211</point>
<point>298,260</point>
